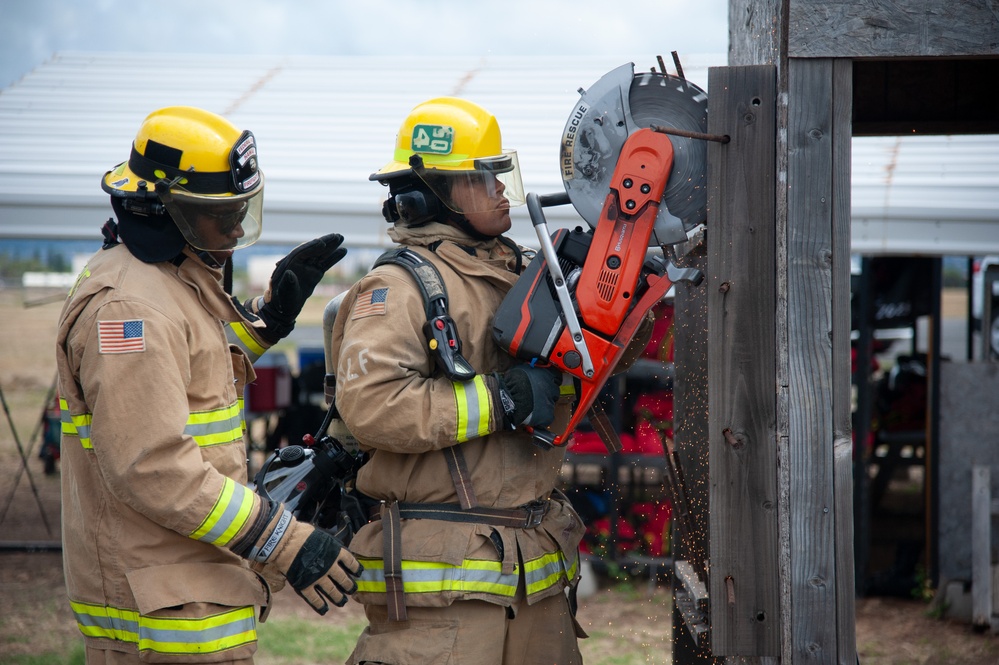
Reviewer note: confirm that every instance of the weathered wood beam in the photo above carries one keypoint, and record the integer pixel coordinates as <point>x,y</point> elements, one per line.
<point>890,29</point>
<point>744,584</point>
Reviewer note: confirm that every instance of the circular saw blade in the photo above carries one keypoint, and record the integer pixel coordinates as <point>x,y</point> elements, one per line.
<point>616,106</point>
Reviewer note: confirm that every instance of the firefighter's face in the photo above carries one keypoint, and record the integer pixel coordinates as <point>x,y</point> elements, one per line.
<point>220,227</point>
<point>484,195</point>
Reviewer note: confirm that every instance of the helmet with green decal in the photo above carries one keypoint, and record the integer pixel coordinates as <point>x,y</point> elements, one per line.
<point>195,169</point>
<point>446,140</point>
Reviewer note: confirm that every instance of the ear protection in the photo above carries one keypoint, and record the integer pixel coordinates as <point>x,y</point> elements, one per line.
<point>412,204</point>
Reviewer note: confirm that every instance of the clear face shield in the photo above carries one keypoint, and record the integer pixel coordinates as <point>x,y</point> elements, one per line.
<point>215,223</point>
<point>481,185</point>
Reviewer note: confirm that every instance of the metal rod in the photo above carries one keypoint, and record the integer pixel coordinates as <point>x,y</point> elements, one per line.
<point>24,462</point>
<point>31,446</point>
<point>679,69</point>
<point>725,138</point>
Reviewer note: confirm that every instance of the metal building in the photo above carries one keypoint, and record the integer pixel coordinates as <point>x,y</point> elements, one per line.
<point>325,123</point>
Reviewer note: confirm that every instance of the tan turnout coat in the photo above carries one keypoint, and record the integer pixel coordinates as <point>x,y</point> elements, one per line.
<point>404,413</point>
<point>152,430</point>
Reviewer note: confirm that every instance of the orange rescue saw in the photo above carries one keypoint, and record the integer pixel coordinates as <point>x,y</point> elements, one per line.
<point>578,305</point>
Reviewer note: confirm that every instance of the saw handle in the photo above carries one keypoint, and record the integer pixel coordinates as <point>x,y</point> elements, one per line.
<point>534,204</point>
<point>542,438</point>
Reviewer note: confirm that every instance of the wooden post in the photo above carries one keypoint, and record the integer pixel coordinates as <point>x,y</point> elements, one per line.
<point>814,411</point>
<point>690,415</point>
<point>744,584</point>
<point>981,546</point>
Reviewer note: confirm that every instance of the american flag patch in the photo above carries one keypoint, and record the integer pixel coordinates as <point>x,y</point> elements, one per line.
<point>370,303</point>
<point>121,336</point>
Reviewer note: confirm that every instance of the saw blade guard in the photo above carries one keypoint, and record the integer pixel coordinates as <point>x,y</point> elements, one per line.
<point>613,108</point>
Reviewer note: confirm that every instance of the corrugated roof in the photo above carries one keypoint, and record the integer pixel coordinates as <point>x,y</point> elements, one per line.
<point>323,124</point>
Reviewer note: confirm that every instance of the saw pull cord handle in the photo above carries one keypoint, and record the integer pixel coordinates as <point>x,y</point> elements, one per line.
<point>534,207</point>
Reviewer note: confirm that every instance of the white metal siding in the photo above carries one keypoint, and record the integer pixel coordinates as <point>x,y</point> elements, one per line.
<point>323,124</point>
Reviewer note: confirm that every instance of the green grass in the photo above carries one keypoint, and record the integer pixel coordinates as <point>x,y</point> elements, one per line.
<point>74,657</point>
<point>280,642</point>
<point>293,642</point>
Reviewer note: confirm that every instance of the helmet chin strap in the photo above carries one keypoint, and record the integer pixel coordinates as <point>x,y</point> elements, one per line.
<point>461,222</point>
<point>209,259</point>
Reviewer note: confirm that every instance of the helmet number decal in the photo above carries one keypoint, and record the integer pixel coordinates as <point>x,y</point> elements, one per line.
<point>436,139</point>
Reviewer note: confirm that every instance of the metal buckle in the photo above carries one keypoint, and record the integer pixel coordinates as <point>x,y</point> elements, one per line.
<point>535,513</point>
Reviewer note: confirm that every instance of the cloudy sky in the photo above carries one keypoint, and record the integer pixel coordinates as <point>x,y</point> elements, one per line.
<point>32,30</point>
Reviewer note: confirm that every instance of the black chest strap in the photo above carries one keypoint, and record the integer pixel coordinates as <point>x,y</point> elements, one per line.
<point>443,342</point>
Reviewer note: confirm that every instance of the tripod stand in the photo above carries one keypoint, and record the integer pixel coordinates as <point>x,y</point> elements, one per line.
<point>24,468</point>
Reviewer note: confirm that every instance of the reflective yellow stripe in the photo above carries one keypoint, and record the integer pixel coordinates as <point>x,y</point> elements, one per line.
<point>472,576</point>
<point>75,425</point>
<point>546,571</point>
<point>210,428</point>
<point>179,636</point>
<point>238,334</point>
<point>472,398</point>
<point>228,515</point>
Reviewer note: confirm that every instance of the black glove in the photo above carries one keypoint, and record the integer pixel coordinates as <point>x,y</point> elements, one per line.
<point>323,570</point>
<point>316,564</point>
<point>293,281</point>
<point>528,395</point>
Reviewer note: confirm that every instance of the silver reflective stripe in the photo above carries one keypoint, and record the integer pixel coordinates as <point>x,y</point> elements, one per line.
<point>472,399</point>
<point>177,636</point>
<point>428,577</point>
<point>151,637</point>
<point>119,626</point>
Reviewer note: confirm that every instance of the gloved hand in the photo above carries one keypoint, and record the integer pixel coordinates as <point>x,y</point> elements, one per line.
<point>315,563</point>
<point>528,395</point>
<point>293,281</point>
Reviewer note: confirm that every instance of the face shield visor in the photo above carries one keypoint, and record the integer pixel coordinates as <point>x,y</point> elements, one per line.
<point>473,185</point>
<point>215,223</point>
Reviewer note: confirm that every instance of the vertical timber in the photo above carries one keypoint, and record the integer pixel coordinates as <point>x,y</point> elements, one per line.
<point>818,430</point>
<point>741,293</point>
<point>842,94</point>
<point>690,417</point>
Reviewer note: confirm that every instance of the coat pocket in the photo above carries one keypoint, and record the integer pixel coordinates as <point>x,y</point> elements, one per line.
<point>414,641</point>
<point>196,612</point>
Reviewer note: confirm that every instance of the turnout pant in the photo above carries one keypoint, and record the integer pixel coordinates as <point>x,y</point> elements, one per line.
<point>472,632</point>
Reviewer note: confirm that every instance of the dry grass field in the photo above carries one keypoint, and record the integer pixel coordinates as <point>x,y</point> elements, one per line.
<point>626,624</point>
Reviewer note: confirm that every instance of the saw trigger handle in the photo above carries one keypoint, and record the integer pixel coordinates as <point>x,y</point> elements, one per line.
<point>542,438</point>
<point>692,275</point>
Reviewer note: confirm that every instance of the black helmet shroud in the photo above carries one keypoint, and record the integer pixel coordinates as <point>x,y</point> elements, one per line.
<point>150,238</point>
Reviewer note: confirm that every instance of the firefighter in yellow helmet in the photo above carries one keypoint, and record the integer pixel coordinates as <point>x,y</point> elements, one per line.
<point>169,556</point>
<point>474,549</point>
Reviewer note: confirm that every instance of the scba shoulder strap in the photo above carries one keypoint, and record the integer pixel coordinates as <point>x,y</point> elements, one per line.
<point>443,342</point>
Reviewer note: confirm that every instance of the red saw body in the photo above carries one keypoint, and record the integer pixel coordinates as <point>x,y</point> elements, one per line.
<point>578,306</point>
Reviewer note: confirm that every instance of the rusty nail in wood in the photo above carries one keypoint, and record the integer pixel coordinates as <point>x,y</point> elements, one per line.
<point>731,439</point>
<point>691,135</point>
<point>725,286</point>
